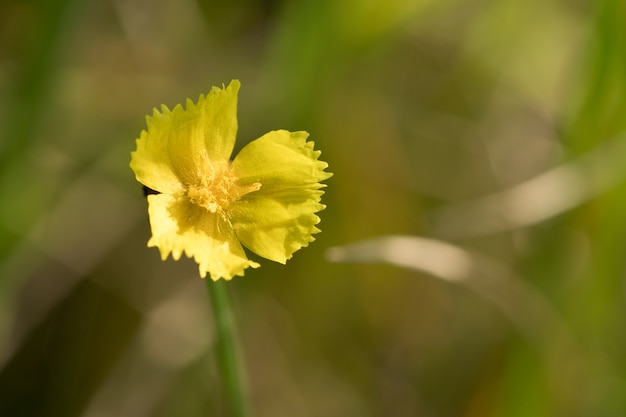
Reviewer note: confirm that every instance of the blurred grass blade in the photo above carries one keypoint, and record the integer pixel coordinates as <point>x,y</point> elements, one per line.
<point>516,299</point>
<point>52,25</point>
<point>599,113</point>
<point>540,198</point>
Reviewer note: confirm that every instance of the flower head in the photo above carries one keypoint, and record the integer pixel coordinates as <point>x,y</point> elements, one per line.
<point>207,206</point>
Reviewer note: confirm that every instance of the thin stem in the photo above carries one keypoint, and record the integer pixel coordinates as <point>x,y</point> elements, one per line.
<point>227,351</point>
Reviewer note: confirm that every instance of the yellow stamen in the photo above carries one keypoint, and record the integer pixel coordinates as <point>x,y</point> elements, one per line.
<point>215,186</point>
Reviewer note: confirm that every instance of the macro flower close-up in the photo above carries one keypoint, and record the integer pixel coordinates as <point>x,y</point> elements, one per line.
<point>172,243</point>
<point>207,205</point>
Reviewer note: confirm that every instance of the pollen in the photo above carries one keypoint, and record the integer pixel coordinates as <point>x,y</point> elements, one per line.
<point>215,186</point>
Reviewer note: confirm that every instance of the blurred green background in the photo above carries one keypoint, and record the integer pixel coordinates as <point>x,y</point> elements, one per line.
<point>494,126</point>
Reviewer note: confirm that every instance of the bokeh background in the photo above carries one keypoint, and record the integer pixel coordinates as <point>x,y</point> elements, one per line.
<point>497,127</point>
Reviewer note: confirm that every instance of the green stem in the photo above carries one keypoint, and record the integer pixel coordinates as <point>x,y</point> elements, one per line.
<point>227,351</point>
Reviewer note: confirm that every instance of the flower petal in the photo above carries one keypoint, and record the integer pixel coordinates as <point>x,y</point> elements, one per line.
<point>279,218</point>
<point>177,142</point>
<point>179,226</point>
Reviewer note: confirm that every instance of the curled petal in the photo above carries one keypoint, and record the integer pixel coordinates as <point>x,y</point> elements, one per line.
<point>279,218</point>
<point>179,141</point>
<point>180,227</point>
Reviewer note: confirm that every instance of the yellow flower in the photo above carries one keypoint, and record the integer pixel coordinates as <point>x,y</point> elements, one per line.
<point>207,206</point>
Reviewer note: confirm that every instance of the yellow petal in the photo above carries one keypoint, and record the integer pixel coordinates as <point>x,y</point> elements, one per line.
<point>180,227</point>
<point>279,218</point>
<point>179,141</point>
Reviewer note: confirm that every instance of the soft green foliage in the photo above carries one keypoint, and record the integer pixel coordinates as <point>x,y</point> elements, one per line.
<point>493,132</point>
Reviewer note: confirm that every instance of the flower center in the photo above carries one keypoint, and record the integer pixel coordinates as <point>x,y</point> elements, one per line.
<point>216,187</point>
